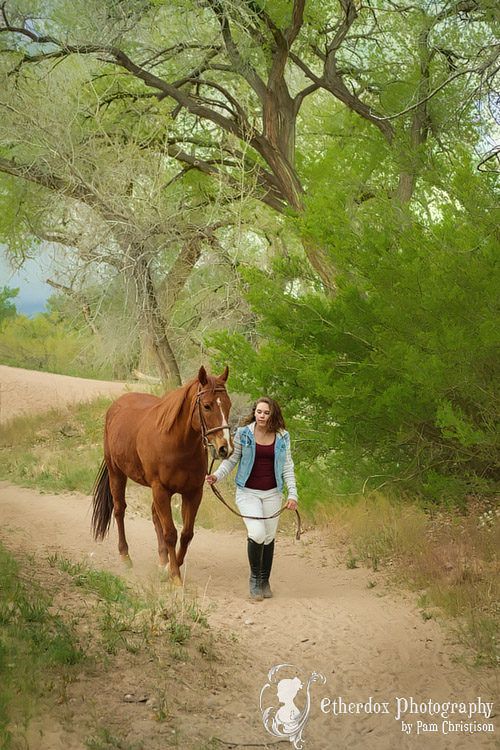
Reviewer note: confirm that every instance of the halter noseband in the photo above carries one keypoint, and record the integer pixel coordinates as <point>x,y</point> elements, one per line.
<point>204,431</point>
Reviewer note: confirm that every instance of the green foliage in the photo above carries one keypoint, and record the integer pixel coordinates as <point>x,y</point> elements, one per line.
<point>116,171</point>
<point>48,341</point>
<point>393,381</point>
<point>389,382</point>
<point>7,308</point>
<point>40,343</point>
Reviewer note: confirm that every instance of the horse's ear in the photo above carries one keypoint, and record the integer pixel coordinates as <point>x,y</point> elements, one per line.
<point>224,375</point>
<point>202,376</point>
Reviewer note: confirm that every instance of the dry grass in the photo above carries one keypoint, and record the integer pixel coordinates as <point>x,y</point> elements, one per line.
<point>452,560</point>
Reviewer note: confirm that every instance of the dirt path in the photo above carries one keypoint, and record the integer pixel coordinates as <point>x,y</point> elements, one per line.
<point>29,391</point>
<point>366,642</point>
<point>369,643</point>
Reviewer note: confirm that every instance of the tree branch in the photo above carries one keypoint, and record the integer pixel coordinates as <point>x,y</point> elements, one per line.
<point>242,67</point>
<point>429,96</point>
<point>117,56</point>
<point>78,297</point>
<point>238,110</point>
<point>269,195</point>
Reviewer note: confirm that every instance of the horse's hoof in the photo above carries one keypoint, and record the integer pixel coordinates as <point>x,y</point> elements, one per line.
<point>177,581</point>
<point>126,562</point>
<point>163,572</point>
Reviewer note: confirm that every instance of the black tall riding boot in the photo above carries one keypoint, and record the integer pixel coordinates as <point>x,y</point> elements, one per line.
<point>255,560</point>
<point>267,564</point>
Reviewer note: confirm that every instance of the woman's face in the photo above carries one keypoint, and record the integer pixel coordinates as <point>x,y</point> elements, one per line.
<point>262,413</point>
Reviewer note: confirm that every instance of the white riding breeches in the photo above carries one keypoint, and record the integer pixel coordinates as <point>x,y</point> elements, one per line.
<point>259,503</point>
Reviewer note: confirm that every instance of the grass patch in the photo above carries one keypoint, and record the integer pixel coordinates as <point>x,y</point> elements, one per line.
<point>453,561</point>
<point>128,620</point>
<point>116,606</point>
<point>57,451</point>
<point>104,739</point>
<point>39,649</point>
<point>102,628</point>
<point>107,586</point>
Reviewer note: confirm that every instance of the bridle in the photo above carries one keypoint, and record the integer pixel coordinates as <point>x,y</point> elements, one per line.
<point>204,431</point>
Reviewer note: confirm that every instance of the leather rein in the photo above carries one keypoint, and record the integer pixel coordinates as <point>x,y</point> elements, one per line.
<point>218,495</point>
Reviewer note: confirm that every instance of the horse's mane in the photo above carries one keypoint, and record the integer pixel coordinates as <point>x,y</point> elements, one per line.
<point>171,406</point>
<point>173,401</point>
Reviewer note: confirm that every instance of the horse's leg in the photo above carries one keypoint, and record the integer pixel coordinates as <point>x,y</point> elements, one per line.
<point>163,510</point>
<point>162,544</point>
<point>190,505</point>
<point>117,483</point>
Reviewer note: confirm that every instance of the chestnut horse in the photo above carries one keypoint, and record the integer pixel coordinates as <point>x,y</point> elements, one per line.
<point>161,443</point>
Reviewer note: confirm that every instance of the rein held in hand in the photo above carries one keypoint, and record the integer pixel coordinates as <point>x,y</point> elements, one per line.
<point>256,518</point>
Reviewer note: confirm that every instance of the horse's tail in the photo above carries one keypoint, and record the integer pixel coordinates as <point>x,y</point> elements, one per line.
<point>102,503</point>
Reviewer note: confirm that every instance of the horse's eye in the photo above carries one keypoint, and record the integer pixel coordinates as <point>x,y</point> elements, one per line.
<point>207,407</point>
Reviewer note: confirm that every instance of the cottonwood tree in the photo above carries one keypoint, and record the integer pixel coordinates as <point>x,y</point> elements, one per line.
<point>129,249</point>
<point>226,81</point>
<point>111,200</point>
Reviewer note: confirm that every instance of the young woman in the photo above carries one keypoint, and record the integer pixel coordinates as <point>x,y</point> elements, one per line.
<point>262,453</point>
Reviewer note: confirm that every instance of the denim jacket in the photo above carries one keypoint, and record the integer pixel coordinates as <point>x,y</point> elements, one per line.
<point>244,455</point>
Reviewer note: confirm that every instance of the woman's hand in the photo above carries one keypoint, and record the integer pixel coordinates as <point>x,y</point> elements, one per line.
<point>291,504</point>
<point>210,479</point>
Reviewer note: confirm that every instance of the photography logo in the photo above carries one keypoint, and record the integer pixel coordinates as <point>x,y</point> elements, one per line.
<point>288,691</point>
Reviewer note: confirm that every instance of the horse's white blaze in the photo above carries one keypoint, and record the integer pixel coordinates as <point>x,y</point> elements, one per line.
<point>225,427</point>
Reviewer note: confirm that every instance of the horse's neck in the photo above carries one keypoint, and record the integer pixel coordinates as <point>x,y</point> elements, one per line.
<point>178,408</point>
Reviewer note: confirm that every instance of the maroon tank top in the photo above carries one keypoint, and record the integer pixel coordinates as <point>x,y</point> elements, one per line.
<point>262,475</point>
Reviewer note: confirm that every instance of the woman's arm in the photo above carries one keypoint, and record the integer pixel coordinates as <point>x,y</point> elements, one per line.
<point>289,476</point>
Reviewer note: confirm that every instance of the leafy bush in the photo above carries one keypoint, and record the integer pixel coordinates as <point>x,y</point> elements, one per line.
<point>45,342</point>
<point>393,382</point>
<point>7,308</point>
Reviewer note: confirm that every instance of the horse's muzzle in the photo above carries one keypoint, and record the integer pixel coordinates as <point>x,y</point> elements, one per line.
<point>221,447</point>
<point>221,450</point>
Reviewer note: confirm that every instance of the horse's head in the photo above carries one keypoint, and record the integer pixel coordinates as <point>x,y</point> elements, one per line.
<point>212,413</point>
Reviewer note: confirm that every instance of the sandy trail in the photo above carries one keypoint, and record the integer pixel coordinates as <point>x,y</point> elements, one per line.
<point>366,640</point>
<point>24,392</point>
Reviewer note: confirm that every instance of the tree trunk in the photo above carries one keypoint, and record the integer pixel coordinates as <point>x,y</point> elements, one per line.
<point>419,125</point>
<point>323,266</point>
<point>154,325</point>
<point>179,273</point>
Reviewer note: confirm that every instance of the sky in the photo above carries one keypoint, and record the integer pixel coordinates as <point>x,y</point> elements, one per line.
<point>34,292</point>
